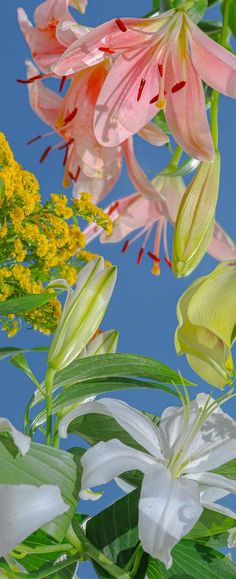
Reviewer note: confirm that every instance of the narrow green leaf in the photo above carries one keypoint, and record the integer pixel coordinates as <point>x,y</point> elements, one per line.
<point>25,304</point>
<point>20,362</point>
<point>210,523</point>
<point>193,561</point>
<point>42,465</point>
<point>114,530</point>
<point>228,469</point>
<point>113,365</point>
<point>187,167</point>
<point>8,352</point>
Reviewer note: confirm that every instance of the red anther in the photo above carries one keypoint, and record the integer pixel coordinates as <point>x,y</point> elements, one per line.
<point>121,25</point>
<point>45,154</point>
<point>34,139</point>
<point>106,49</point>
<point>65,157</point>
<point>125,246</point>
<point>74,177</point>
<point>112,208</point>
<point>71,116</point>
<point>154,99</point>
<point>63,80</point>
<point>153,256</point>
<point>141,87</point>
<point>161,70</point>
<point>65,145</point>
<point>140,255</point>
<point>178,86</point>
<point>168,262</point>
<point>29,80</point>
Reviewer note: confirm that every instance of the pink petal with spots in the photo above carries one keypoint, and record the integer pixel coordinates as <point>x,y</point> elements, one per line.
<point>86,51</point>
<point>185,110</point>
<point>134,212</point>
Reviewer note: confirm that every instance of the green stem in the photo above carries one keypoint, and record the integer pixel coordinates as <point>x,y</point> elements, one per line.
<point>215,94</point>
<point>81,542</point>
<point>175,159</point>
<point>48,385</point>
<point>23,550</point>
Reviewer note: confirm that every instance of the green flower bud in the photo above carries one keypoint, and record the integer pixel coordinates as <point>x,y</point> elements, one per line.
<point>196,218</point>
<point>82,313</point>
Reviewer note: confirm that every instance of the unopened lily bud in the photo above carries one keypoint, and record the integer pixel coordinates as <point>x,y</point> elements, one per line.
<point>207,320</point>
<point>82,313</point>
<point>102,343</point>
<point>195,220</point>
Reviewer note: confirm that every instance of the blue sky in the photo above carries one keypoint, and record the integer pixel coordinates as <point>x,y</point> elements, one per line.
<point>143,307</point>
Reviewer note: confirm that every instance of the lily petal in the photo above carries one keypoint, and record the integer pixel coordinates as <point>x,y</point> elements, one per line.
<point>214,480</point>
<point>24,509</point>
<point>44,101</point>
<point>134,422</point>
<point>107,460</point>
<point>185,109</point>
<point>21,441</point>
<point>168,510</point>
<point>222,246</point>
<point>153,135</point>
<point>136,174</point>
<point>215,64</point>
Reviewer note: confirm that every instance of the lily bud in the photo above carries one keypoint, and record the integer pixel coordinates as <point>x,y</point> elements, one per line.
<point>103,343</point>
<point>195,220</point>
<point>82,313</point>
<point>207,319</point>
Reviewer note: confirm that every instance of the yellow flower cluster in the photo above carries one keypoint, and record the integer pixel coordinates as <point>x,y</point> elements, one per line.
<point>38,242</point>
<point>86,209</point>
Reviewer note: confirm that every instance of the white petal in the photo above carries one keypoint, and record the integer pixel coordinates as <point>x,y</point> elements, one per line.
<point>168,510</point>
<point>219,509</point>
<point>134,422</point>
<point>107,460</point>
<point>124,486</point>
<point>212,494</point>
<point>21,441</point>
<point>213,480</point>
<point>24,509</point>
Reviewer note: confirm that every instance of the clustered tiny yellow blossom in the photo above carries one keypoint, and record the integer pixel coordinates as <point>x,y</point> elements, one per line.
<point>86,209</point>
<point>87,256</point>
<point>37,241</point>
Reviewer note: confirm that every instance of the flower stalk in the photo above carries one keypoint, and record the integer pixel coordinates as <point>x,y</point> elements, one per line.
<point>48,384</point>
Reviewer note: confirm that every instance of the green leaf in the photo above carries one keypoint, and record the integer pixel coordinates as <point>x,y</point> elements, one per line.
<point>228,469</point>
<point>110,366</point>
<point>210,523</point>
<point>193,561</point>
<point>42,465</point>
<point>232,17</point>
<point>187,167</point>
<point>114,530</point>
<point>73,394</point>
<point>25,304</point>
<point>155,4</point>
<point>8,352</point>
<point>20,362</point>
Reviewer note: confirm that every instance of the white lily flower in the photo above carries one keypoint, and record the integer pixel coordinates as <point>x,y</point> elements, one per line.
<point>21,441</point>
<point>177,457</point>
<point>82,313</point>
<point>24,509</point>
<point>232,538</point>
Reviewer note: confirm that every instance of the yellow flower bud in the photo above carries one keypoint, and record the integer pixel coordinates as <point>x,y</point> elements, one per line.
<point>195,220</point>
<point>207,320</point>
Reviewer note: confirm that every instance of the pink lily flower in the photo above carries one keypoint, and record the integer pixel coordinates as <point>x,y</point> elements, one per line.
<point>159,64</point>
<point>48,40</point>
<point>137,213</point>
<point>89,165</point>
